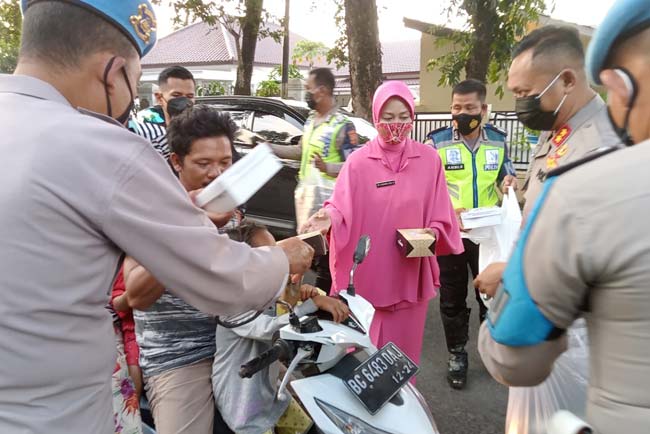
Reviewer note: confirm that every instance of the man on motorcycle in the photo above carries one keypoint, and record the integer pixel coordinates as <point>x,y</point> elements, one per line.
<point>584,251</point>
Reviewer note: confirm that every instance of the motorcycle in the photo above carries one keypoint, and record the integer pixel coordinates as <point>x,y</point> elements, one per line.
<point>347,384</point>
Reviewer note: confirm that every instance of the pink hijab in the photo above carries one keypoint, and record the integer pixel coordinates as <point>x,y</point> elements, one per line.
<point>388,90</point>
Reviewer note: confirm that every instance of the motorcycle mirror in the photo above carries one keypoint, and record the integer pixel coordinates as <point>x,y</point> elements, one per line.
<point>363,247</point>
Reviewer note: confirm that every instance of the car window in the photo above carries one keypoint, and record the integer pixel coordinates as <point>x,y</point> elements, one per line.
<point>365,130</point>
<point>273,128</point>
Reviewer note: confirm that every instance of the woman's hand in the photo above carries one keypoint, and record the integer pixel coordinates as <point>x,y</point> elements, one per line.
<point>220,219</point>
<point>319,222</point>
<point>488,281</point>
<point>336,307</point>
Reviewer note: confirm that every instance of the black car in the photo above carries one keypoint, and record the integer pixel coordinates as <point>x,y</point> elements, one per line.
<point>279,122</point>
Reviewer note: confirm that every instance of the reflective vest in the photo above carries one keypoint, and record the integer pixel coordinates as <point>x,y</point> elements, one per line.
<point>321,140</point>
<point>471,176</point>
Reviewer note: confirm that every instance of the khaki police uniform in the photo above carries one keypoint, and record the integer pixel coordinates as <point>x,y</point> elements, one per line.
<point>79,191</point>
<point>586,254</point>
<point>587,131</point>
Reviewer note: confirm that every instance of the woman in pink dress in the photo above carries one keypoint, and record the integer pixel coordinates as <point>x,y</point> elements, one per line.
<point>391,183</point>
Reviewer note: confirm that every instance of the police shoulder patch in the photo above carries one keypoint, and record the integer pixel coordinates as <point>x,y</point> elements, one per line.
<point>440,135</point>
<point>495,133</point>
<point>593,156</point>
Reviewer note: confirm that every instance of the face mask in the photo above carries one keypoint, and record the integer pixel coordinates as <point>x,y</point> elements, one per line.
<point>311,102</point>
<point>466,123</point>
<point>623,132</point>
<point>394,133</point>
<point>124,117</point>
<point>530,113</point>
<point>175,106</point>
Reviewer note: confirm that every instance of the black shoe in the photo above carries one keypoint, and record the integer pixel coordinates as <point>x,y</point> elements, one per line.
<point>457,369</point>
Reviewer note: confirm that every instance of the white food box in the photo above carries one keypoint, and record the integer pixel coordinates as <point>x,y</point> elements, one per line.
<point>481,217</point>
<point>239,183</point>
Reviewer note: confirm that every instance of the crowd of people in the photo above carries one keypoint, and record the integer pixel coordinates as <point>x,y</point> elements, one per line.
<point>90,205</point>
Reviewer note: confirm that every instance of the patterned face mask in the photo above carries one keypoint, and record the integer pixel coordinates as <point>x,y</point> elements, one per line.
<point>394,133</point>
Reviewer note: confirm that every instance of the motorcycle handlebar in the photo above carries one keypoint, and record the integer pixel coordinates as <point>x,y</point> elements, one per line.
<point>281,349</point>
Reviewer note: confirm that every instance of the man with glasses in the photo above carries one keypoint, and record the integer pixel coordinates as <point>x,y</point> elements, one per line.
<point>476,160</point>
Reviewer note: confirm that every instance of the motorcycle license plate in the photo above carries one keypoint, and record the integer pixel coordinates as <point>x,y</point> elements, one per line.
<point>379,378</point>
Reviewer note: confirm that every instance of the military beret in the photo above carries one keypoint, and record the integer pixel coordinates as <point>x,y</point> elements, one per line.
<point>624,19</point>
<point>135,18</point>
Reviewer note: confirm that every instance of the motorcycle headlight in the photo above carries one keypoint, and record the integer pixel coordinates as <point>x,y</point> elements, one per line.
<point>347,423</point>
<point>424,405</point>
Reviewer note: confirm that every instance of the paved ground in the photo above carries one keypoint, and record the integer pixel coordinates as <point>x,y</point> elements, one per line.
<point>478,409</point>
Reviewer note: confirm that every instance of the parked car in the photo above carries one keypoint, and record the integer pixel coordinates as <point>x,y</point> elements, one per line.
<point>280,122</point>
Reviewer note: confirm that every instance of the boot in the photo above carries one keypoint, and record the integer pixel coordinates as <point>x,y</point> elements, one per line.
<point>457,368</point>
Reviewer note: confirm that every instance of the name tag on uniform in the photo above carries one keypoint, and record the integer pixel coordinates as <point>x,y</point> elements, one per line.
<point>491,159</point>
<point>385,184</point>
<point>454,159</point>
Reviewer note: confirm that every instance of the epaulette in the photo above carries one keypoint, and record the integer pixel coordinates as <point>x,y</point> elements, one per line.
<point>494,133</point>
<point>442,134</point>
<point>591,157</point>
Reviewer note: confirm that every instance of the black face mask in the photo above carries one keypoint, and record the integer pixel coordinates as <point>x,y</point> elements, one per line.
<point>623,132</point>
<point>311,102</point>
<point>530,113</point>
<point>466,123</point>
<point>124,117</point>
<point>176,106</point>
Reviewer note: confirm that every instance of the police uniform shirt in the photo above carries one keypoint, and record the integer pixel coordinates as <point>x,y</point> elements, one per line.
<point>586,253</point>
<point>78,191</point>
<point>587,131</point>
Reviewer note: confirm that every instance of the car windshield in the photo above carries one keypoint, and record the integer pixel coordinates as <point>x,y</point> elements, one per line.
<point>365,130</point>
<point>273,128</point>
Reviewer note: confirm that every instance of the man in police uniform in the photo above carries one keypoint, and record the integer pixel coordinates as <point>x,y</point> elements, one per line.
<point>77,194</point>
<point>476,160</point>
<point>329,137</point>
<point>585,250</point>
<point>548,79</point>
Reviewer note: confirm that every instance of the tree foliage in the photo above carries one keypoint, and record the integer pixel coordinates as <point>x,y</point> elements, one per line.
<point>482,48</point>
<point>245,20</point>
<point>211,88</point>
<point>272,86</point>
<point>10,27</point>
<point>309,52</point>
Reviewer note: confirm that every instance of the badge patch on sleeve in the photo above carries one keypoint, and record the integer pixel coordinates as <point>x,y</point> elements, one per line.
<point>491,159</point>
<point>454,159</point>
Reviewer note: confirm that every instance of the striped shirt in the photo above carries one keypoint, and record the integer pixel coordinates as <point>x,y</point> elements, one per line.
<point>155,133</point>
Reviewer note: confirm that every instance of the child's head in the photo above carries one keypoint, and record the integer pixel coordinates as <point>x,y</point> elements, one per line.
<point>253,234</point>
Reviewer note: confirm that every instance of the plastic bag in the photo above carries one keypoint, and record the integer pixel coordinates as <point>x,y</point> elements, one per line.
<point>531,408</point>
<point>310,195</point>
<point>496,242</point>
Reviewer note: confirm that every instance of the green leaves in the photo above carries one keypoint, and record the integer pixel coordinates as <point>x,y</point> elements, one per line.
<point>10,27</point>
<point>309,52</point>
<point>512,19</point>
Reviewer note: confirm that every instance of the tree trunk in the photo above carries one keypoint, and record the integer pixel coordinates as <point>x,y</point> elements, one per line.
<point>483,15</point>
<point>250,29</point>
<point>364,54</point>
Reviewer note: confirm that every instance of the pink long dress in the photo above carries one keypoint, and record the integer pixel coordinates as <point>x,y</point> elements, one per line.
<point>383,188</point>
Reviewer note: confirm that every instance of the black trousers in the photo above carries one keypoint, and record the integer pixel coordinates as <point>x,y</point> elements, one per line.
<point>453,294</point>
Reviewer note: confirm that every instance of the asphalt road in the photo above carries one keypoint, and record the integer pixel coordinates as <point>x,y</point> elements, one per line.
<point>480,408</point>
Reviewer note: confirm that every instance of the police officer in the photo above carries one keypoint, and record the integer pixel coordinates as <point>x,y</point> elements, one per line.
<point>329,137</point>
<point>548,79</point>
<point>476,160</point>
<point>76,195</point>
<point>585,250</point>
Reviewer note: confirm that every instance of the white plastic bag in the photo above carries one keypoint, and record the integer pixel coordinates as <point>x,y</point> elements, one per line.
<point>310,195</point>
<point>496,242</point>
<point>530,409</point>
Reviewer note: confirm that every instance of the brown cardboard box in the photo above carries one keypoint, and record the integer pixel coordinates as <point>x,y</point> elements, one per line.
<point>317,241</point>
<point>416,243</point>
